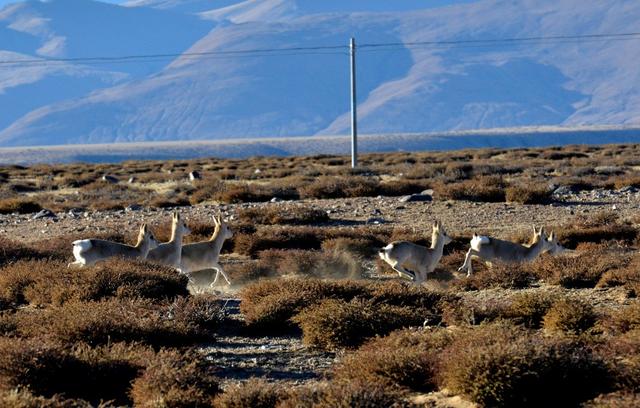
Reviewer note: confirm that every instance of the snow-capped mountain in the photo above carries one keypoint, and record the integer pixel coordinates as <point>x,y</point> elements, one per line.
<point>197,88</point>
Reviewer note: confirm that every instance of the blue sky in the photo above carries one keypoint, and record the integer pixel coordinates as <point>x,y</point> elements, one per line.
<point>4,2</point>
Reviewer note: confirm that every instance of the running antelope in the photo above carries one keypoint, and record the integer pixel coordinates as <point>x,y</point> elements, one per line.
<point>205,255</point>
<point>89,251</point>
<point>403,254</point>
<point>493,249</point>
<point>170,253</point>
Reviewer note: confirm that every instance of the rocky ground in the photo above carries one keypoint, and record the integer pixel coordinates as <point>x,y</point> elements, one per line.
<point>285,358</point>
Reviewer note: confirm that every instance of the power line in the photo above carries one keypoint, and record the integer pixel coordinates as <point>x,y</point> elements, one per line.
<point>325,49</point>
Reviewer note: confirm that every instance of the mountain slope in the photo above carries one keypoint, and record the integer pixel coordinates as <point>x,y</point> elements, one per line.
<point>412,88</point>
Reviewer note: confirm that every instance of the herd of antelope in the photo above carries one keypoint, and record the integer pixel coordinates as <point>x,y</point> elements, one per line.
<point>185,259</point>
<point>408,259</point>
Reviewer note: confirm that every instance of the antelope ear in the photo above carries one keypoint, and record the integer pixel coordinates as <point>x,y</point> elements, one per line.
<point>552,236</point>
<point>144,228</point>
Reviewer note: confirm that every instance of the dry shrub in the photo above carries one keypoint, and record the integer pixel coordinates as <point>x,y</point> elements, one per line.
<point>280,215</point>
<point>484,189</point>
<point>351,395</point>
<point>406,358</point>
<point>269,305</point>
<point>48,369</point>
<point>503,366</point>
<point>175,380</point>
<point>11,251</point>
<point>461,312</point>
<point>264,239</point>
<point>619,399</point>
<point>572,235</point>
<point>627,276</point>
<point>49,281</point>
<point>622,320</point>
<point>361,247</point>
<point>245,193</point>
<point>528,194</point>
<point>623,354</point>
<point>582,271</point>
<point>529,308</point>
<point>339,187</point>
<point>117,320</point>
<point>569,315</point>
<point>505,276</point>
<point>317,264</point>
<point>255,393</point>
<point>22,398</point>
<point>19,205</point>
<point>335,323</point>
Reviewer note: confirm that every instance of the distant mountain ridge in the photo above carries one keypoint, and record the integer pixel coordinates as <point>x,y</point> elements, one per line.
<point>203,94</point>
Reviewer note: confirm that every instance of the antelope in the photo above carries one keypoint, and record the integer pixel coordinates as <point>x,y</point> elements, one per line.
<point>89,251</point>
<point>170,253</point>
<point>554,247</point>
<point>493,249</point>
<point>400,254</point>
<point>205,255</point>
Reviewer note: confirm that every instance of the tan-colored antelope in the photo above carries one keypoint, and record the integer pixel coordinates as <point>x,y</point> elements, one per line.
<point>402,255</point>
<point>170,252</point>
<point>205,255</point>
<point>89,251</point>
<point>492,249</point>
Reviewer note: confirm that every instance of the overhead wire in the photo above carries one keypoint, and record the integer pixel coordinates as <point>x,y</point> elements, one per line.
<point>323,49</point>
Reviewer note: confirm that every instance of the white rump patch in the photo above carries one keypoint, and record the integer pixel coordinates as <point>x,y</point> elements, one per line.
<point>79,247</point>
<point>478,240</point>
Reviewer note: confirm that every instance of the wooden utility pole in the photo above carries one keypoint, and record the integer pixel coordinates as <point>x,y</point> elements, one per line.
<point>354,114</point>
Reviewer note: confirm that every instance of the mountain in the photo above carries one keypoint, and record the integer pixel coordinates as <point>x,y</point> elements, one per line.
<point>203,90</point>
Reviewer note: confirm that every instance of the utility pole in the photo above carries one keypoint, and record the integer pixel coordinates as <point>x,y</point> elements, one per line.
<point>354,114</point>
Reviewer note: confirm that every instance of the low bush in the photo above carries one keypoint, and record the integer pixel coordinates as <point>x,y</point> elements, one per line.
<point>264,239</point>
<point>19,205</point>
<point>335,323</point>
<point>175,380</point>
<point>505,276</point>
<point>269,305</point>
<point>406,358</point>
<point>528,194</point>
<point>351,395</point>
<point>618,399</point>
<point>529,308</point>
<point>627,276</point>
<point>11,251</point>
<point>22,398</point>
<point>484,189</point>
<point>280,215</point>
<point>50,282</point>
<point>117,320</point>
<point>461,312</point>
<point>255,393</point>
<point>622,320</point>
<point>339,187</point>
<point>582,271</point>
<point>48,369</point>
<point>569,315</point>
<point>500,366</point>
